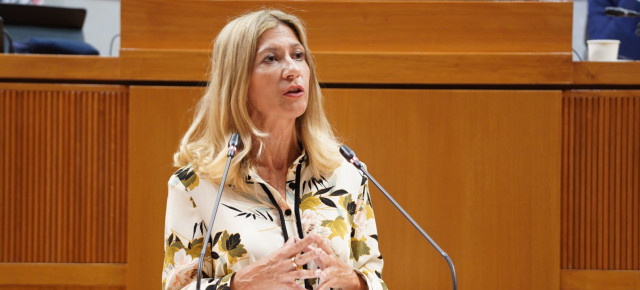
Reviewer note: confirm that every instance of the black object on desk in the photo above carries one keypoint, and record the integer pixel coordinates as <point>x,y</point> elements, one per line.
<point>46,16</point>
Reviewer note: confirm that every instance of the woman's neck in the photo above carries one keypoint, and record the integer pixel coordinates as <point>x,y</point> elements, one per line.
<point>279,151</point>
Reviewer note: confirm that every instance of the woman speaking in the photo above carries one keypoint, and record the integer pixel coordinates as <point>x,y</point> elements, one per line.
<point>293,214</point>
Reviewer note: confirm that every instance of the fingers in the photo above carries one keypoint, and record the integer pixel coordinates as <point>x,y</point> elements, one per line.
<point>285,266</point>
<point>323,260</point>
<point>329,278</point>
<point>281,251</point>
<point>293,285</point>
<point>294,245</point>
<point>304,243</point>
<point>303,274</point>
<point>309,248</point>
<point>326,248</point>
<point>340,277</point>
<point>305,258</point>
<point>326,283</point>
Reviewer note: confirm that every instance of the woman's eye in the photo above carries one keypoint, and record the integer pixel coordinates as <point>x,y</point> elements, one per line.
<point>298,55</point>
<point>270,58</point>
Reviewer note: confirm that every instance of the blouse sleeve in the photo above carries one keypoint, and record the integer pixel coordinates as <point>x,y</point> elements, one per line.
<point>364,244</point>
<point>183,240</point>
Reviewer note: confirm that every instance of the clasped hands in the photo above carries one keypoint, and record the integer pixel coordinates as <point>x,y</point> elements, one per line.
<point>280,269</point>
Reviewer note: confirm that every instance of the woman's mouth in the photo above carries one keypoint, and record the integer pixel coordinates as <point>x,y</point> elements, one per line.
<point>294,92</point>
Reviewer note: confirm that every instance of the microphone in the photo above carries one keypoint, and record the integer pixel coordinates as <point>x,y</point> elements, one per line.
<point>620,12</point>
<point>348,154</point>
<point>232,147</point>
<point>234,141</point>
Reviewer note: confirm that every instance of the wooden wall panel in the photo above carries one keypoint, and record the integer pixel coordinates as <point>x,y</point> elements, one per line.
<point>599,279</point>
<point>159,118</point>
<point>373,68</point>
<point>606,72</point>
<point>63,182</point>
<point>388,42</point>
<point>358,26</point>
<point>600,180</point>
<point>32,275</point>
<point>478,169</point>
<point>60,67</point>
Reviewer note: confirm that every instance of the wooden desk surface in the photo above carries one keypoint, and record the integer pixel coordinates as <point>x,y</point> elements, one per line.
<point>600,73</point>
<point>364,68</point>
<point>58,67</point>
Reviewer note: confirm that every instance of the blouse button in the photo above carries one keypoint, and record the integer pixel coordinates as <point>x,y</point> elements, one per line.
<point>287,212</point>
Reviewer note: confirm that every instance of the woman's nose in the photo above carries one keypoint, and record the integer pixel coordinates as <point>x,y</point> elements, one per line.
<point>291,69</point>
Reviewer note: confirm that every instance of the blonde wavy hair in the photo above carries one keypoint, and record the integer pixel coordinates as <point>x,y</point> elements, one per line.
<point>223,108</point>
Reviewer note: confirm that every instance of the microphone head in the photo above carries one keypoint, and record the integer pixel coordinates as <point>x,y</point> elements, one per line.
<point>347,153</point>
<point>233,144</point>
<point>234,140</point>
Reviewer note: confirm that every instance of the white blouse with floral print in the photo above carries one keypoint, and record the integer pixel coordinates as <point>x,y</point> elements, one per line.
<point>250,226</point>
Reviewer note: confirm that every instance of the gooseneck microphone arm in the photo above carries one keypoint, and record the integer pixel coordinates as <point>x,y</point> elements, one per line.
<point>232,146</point>
<point>348,154</point>
<point>620,12</point>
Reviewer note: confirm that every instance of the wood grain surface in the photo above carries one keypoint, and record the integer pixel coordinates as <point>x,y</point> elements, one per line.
<point>159,118</point>
<point>609,73</point>
<point>599,279</point>
<point>64,161</point>
<point>479,170</point>
<point>373,68</point>
<point>359,26</point>
<point>106,275</point>
<point>59,67</point>
<point>601,180</point>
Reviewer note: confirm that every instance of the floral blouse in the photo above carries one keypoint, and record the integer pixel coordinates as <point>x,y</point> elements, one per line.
<point>249,226</point>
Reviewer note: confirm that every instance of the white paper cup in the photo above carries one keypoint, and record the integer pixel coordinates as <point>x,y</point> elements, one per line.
<point>603,49</point>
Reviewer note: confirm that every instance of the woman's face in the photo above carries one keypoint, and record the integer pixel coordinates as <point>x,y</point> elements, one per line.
<point>279,82</point>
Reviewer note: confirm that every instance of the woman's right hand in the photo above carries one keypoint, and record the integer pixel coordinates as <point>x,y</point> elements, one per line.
<point>279,270</point>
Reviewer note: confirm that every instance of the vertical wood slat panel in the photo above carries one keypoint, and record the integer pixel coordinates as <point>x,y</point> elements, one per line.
<point>623,182</point>
<point>46,189</point>
<point>83,180</point>
<point>571,177</point>
<point>3,169</point>
<point>600,190</point>
<point>593,237</point>
<point>125,177</point>
<point>578,198</point>
<point>564,185</point>
<point>616,192</point>
<point>4,165</point>
<point>590,192</point>
<point>629,183</point>
<point>64,188</point>
<point>636,185</point>
<point>25,164</point>
<point>600,180</point>
<point>607,184</point>
<point>61,161</point>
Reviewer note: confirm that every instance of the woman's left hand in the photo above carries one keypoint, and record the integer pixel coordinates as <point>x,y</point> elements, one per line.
<point>335,273</point>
